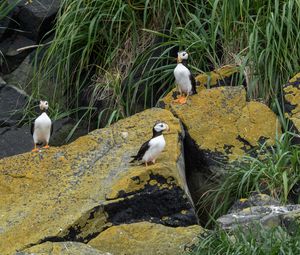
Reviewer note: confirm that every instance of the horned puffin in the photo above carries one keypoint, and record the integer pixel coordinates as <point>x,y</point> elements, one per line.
<point>151,149</point>
<point>42,127</point>
<point>184,79</point>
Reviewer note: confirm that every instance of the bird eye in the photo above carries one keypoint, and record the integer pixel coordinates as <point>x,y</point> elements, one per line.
<point>183,54</point>
<point>161,125</point>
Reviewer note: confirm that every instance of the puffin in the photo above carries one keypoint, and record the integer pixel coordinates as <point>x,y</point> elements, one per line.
<point>42,127</point>
<point>151,149</point>
<point>185,81</point>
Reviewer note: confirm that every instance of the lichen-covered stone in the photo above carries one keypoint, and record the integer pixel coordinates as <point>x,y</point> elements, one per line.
<point>257,199</point>
<point>222,122</point>
<point>62,248</point>
<point>292,101</point>
<point>268,216</point>
<point>146,238</point>
<point>291,222</point>
<point>221,126</point>
<point>219,77</point>
<point>73,192</point>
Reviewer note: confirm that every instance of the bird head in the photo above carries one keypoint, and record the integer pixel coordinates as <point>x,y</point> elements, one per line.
<point>182,55</point>
<point>44,105</point>
<point>159,127</point>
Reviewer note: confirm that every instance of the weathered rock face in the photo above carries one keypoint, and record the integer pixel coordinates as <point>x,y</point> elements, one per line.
<point>257,199</point>
<point>12,101</point>
<point>221,127</point>
<point>146,238</point>
<point>73,192</point>
<point>292,101</point>
<point>35,17</point>
<point>62,248</point>
<point>224,76</point>
<point>262,210</point>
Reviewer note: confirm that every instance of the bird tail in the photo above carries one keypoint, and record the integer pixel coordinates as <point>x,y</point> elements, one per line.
<point>134,159</point>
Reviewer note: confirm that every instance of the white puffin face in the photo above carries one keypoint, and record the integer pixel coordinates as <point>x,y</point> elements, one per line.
<point>44,105</point>
<point>182,55</point>
<point>161,126</point>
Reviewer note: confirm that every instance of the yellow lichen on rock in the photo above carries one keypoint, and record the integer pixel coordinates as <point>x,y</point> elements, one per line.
<point>292,100</point>
<point>62,248</point>
<point>216,77</point>
<point>146,238</point>
<point>221,121</point>
<point>61,192</point>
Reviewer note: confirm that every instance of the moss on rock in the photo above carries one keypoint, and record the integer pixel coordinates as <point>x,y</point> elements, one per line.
<point>221,121</point>
<point>61,248</point>
<point>75,191</point>
<point>292,101</point>
<point>146,238</point>
<point>219,77</point>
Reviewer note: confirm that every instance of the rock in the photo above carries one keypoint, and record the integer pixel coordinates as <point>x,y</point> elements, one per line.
<point>14,140</point>
<point>146,238</point>
<point>2,82</point>
<point>74,192</point>
<point>225,76</point>
<point>37,17</point>
<point>291,92</point>
<point>24,76</point>
<point>267,216</point>
<point>11,58</point>
<point>62,248</point>
<point>221,126</point>
<point>257,199</point>
<point>12,102</point>
<point>291,222</point>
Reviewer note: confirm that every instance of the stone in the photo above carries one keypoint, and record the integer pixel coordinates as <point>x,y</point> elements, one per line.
<point>146,238</point>
<point>12,102</point>
<point>36,17</point>
<point>267,216</point>
<point>15,140</point>
<point>291,222</point>
<point>291,92</point>
<point>257,199</point>
<point>74,192</point>
<point>221,127</point>
<point>2,82</point>
<point>61,248</point>
<point>225,76</point>
<point>11,57</point>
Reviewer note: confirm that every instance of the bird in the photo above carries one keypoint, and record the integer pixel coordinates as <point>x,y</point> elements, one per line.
<point>42,127</point>
<point>184,79</point>
<point>151,149</point>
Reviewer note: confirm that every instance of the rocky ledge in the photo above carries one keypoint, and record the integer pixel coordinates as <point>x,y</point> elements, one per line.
<point>75,192</point>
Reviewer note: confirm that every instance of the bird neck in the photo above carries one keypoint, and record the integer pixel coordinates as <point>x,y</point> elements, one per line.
<point>184,62</point>
<point>44,111</point>
<point>156,134</point>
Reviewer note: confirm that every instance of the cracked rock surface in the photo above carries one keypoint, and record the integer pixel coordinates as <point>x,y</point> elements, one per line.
<point>74,192</point>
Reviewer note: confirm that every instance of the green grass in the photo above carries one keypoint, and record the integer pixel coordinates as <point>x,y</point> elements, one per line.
<point>275,172</point>
<point>258,241</point>
<point>139,39</point>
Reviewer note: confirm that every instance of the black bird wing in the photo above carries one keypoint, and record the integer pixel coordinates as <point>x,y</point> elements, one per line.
<point>141,152</point>
<point>32,128</point>
<point>192,78</point>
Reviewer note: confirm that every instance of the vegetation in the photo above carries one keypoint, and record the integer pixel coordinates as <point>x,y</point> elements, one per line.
<point>275,172</point>
<point>251,242</point>
<point>110,59</point>
<point>137,41</point>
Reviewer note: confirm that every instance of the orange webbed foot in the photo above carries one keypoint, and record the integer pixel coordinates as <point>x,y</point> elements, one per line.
<point>181,100</point>
<point>35,150</point>
<point>46,146</point>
